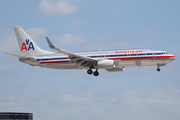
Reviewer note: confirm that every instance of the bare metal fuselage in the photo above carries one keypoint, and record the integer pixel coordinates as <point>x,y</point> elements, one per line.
<point>145,58</point>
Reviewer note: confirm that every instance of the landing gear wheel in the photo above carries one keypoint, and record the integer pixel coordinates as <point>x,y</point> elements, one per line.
<point>89,71</point>
<point>96,73</point>
<point>158,69</point>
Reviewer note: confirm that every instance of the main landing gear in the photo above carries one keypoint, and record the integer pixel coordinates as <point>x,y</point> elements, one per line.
<point>89,71</point>
<point>95,73</point>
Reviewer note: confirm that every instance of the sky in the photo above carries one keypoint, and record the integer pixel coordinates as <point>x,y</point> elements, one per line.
<point>138,93</point>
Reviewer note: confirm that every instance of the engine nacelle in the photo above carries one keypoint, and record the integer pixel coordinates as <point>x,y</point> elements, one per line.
<point>115,69</point>
<point>106,64</point>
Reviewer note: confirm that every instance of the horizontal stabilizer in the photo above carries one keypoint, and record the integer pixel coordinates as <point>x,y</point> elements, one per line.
<point>17,56</point>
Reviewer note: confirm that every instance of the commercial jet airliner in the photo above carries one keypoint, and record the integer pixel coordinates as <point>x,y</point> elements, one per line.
<point>112,61</point>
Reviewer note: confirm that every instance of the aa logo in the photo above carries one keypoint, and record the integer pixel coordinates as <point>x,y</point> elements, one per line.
<point>26,45</point>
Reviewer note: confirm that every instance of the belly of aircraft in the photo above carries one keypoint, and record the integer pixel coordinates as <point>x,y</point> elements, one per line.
<point>141,62</point>
<point>60,66</point>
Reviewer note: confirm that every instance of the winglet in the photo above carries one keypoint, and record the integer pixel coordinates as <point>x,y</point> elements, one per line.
<point>50,43</point>
<point>69,54</point>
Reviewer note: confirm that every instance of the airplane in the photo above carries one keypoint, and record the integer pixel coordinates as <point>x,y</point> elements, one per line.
<point>112,61</point>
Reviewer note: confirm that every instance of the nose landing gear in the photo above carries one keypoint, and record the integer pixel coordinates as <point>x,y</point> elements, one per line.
<point>158,69</point>
<point>159,65</point>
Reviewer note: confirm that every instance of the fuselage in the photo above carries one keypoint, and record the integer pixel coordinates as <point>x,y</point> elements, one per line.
<point>122,58</point>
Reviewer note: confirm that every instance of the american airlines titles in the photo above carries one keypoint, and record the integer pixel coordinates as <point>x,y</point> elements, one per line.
<point>128,51</point>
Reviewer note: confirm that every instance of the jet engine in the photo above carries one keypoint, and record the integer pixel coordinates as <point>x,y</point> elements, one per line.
<point>106,64</point>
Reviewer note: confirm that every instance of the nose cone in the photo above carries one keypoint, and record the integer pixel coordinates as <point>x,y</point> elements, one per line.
<point>172,58</point>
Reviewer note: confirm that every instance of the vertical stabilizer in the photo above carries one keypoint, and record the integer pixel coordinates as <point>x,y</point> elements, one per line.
<point>26,45</point>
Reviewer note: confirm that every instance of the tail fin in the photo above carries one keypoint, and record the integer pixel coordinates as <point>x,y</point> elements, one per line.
<point>26,45</point>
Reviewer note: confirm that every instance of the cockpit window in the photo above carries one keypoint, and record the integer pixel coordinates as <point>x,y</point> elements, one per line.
<point>164,52</point>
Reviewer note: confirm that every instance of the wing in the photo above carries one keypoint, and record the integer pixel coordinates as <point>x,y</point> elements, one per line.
<point>80,60</point>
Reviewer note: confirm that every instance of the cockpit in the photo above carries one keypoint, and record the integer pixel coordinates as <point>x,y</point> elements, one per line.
<point>164,52</point>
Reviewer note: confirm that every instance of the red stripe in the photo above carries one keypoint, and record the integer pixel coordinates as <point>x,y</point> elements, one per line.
<point>54,62</point>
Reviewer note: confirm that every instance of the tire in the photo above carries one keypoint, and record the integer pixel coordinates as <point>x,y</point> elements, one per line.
<point>96,73</point>
<point>89,71</point>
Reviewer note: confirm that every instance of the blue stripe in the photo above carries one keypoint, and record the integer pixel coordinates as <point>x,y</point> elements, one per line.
<point>63,58</point>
